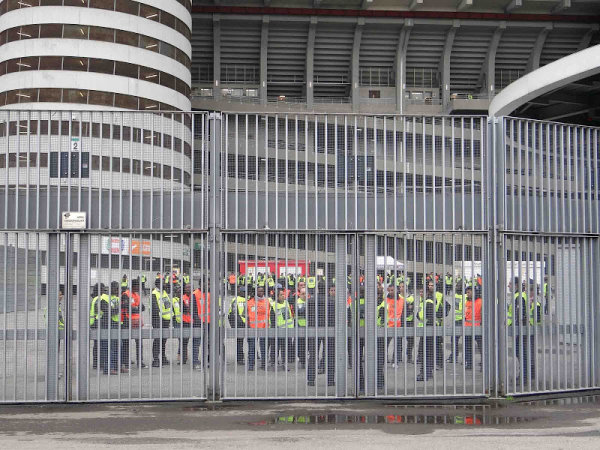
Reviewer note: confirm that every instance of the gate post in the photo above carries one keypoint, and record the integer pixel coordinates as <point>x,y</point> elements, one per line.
<point>341,325</point>
<point>52,335</point>
<point>497,270</point>
<point>83,306</point>
<point>214,237</point>
<point>370,338</point>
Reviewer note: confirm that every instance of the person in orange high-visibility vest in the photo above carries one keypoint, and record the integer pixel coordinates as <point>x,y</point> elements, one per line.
<point>131,308</point>
<point>259,318</point>
<point>472,319</point>
<point>201,319</point>
<point>231,280</point>
<point>186,319</point>
<point>394,307</point>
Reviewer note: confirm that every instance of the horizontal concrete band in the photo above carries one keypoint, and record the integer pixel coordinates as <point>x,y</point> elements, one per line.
<point>95,82</point>
<point>95,17</point>
<point>95,49</point>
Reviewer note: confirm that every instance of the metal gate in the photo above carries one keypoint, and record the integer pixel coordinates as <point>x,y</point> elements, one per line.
<point>241,256</point>
<point>547,246</point>
<point>375,218</point>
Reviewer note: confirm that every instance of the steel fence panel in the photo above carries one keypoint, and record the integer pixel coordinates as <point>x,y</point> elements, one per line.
<point>550,336</point>
<point>285,321</point>
<point>257,360</point>
<point>352,172</point>
<point>549,235</point>
<point>551,177</point>
<point>129,348</point>
<point>32,317</point>
<point>60,158</point>
<point>367,208</point>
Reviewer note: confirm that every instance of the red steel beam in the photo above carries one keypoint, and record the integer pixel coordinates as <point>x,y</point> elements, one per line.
<point>399,14</point>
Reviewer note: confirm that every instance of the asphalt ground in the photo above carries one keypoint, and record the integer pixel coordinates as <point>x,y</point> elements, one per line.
<point>566,423</point>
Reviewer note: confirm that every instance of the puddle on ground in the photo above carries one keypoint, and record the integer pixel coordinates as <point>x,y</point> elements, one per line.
<point>565,401</point>
<point>425,419</point>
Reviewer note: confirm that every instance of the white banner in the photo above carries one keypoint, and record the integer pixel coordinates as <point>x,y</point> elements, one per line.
<point>115,246</point>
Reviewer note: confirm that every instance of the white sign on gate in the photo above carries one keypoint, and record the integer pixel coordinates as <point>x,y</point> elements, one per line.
<point>74,220</point>
<point>75,144</point>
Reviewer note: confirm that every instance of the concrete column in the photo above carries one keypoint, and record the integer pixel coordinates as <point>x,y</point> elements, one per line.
<point>264,47</point>
<point>310,62</point>
<point>490,62</point>
<point>356,64</point>
<point>217,56</point>
<point>445,63</point>
<point>536,53</point>
<point>587,38</point>
<point>401,64</point>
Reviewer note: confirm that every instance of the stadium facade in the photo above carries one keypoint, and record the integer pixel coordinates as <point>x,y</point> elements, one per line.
<point>341,146</point>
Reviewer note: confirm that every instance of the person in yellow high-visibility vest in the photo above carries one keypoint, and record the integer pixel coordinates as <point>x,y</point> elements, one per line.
<point>300,311</point>
<point>162,313</point>
<point>283,322</point>
<point>237,320</point>
<point>525,314</point>
<point>459,301</point>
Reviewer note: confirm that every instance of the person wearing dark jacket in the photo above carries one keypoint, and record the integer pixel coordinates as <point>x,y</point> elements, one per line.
<point>381,343</point>
<point>325,311</point>
<point>528,313</point>
<point>321,313</point>
<point>109,318</point>
<point>432,309</point>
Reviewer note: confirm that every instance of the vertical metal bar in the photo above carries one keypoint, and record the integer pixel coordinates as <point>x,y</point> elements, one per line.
<point>215,225</point>
<point>582,329</point>
<point>374,169</point>
<point>5,296</point>
<point>25,352</point>
<point>266,191</point>
<point>15,302</point>
<point>434,225</point>
<point>536,325</point>
<point>356,147</point>
<point>424,180</point>
<point>53,273</point>
<point>385,178</point>
<point>68,302</point>
<point>594,290</point>
<point>365,173</point>
<point>472,145</point>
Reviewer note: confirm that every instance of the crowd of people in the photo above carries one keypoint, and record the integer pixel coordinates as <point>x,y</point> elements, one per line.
<point>292,304</point>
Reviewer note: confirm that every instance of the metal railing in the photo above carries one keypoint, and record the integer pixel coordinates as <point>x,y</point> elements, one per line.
<point>319,99</point>
<point>469,96</point>
<point>422,77</point>
<point>240,74</point>
<point>423,101</point>
<point>377,76</point>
